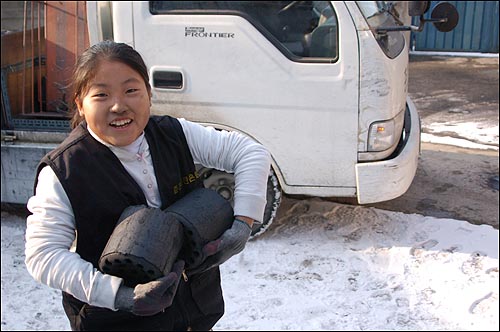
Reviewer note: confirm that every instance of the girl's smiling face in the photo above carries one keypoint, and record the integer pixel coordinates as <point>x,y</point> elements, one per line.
<point>116,104</point>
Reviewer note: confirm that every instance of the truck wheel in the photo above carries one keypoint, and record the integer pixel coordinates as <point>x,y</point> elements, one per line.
<point>223,183</point>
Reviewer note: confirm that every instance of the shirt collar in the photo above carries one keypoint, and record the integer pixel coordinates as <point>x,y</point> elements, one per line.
<point>124,152</point>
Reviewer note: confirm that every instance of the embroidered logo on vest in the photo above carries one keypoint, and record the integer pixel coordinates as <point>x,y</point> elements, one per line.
<point>185,180</point>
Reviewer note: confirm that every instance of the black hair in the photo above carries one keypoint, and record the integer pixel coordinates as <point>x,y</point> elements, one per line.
<point>87,65</point>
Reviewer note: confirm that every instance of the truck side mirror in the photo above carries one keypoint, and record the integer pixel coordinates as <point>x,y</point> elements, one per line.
<point>417,8</point>
<point>445,16</point>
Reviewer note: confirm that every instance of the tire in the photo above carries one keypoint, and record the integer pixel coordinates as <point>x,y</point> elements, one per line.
<point>223,183</point>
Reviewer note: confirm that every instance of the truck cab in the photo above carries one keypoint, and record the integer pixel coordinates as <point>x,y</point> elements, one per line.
<point>323,85</point>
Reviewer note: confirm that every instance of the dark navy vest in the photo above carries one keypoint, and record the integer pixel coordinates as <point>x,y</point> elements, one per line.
<point>99,188</point>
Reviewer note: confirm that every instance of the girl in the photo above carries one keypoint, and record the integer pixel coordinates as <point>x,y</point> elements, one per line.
<point>118,155</point>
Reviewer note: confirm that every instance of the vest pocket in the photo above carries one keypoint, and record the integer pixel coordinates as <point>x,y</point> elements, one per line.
<point>84,317</point>
<point>97,318</point>
<point>206,294</point>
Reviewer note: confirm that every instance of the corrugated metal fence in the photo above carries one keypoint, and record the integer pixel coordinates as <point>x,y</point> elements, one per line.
<point>477,30</point>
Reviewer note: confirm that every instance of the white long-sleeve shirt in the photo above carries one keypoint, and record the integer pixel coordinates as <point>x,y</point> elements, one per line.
<point>51,230</point>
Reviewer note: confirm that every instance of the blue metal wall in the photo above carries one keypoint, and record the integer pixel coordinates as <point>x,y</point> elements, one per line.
<point>477,30</point>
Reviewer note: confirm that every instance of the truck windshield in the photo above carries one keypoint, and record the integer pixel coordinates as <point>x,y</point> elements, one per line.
<point>380,14</point>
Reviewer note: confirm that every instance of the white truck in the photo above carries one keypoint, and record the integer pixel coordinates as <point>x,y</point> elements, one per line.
<point>322,84</point>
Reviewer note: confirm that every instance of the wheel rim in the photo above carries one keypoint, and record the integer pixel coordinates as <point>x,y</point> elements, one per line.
<point>223,183</point>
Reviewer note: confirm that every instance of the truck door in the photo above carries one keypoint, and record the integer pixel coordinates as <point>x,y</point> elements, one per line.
<point>283,72</point>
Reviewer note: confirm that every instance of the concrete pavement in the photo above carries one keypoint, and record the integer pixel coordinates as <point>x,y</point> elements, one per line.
<point>454,182</point>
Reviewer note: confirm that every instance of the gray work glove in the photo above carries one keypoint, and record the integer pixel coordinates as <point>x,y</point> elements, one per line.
<point>150,298</point>
<point>230,243</point>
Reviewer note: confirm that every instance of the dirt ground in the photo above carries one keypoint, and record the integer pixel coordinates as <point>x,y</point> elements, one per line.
<point>459,89</point>
<point>454,182</point>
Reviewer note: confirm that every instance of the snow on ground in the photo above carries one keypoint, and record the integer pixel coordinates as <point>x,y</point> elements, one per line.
<point>328,266</point>
<point>321,266</point>
<point>472,135</point>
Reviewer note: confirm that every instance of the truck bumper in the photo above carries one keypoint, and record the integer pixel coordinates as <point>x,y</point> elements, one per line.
<point>385,180</point>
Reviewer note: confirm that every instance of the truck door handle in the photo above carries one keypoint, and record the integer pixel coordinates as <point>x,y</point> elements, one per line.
<point>168,80</point>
